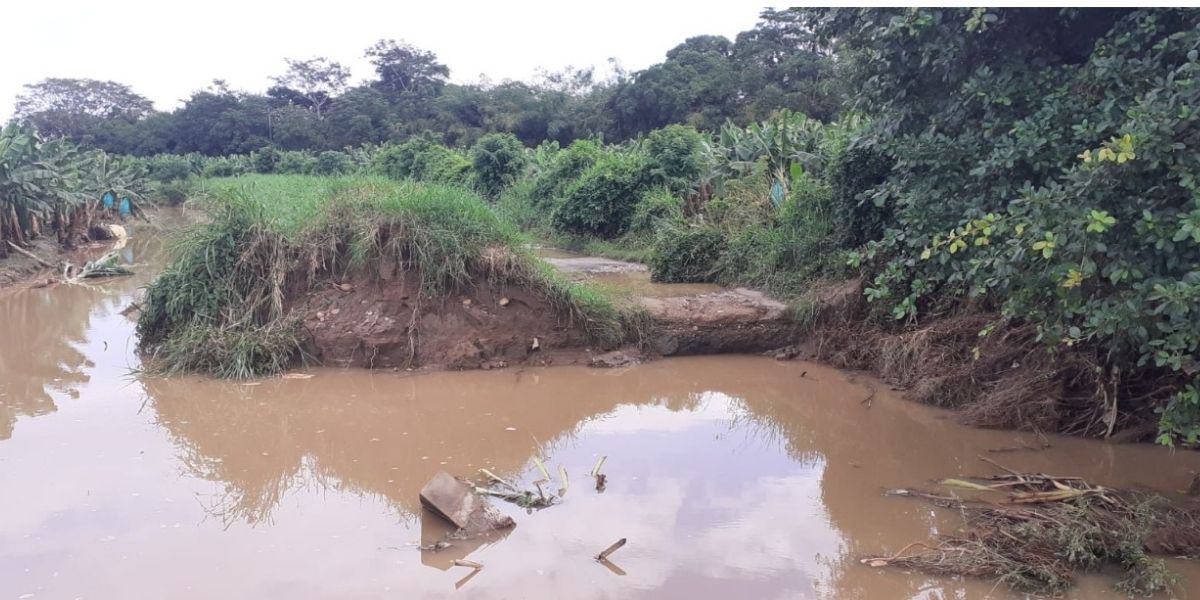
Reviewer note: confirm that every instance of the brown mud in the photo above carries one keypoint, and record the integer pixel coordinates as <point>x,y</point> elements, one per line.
<point>381,321</point>
<point>1006,379</point>
<point>18,270</point>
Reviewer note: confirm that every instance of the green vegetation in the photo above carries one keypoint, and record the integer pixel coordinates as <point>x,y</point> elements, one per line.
<point>1044,167</point>
<point>220,306</point>
<point>497,159</point>
<point>686,254</point>
<point>702,82</point>
<point>54,187</point>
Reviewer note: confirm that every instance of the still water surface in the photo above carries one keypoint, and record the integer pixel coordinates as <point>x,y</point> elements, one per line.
<point>731,477</point>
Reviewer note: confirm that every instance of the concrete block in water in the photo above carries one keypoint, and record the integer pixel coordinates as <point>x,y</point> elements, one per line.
<point>458,503</point>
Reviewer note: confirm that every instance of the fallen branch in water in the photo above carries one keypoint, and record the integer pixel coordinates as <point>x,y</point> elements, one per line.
<point>497,479</point>
<point>30,255</point>
<point>105,266</point>
<point>524,499</point>
<point>1042,529</point>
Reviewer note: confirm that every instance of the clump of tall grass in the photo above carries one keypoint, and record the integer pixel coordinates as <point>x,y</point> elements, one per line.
<point>221,305</point>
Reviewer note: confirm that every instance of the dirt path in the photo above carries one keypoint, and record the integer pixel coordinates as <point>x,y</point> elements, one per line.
<point>690,318</point>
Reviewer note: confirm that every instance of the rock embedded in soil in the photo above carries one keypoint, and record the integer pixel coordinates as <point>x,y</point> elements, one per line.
<point>614,359</point>
<point>458,503</point>
<point>737,320</point>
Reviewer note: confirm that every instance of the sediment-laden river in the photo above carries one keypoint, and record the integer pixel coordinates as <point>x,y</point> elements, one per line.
<point>730,476</point>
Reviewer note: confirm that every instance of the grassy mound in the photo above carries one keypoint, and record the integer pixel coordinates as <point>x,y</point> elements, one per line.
<point>222,305</point>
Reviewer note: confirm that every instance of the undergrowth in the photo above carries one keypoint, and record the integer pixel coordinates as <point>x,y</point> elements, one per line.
<point>221,306</point>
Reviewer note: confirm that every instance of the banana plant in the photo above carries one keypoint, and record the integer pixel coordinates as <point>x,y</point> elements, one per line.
<point>788,143</point>
<point>53,183</point>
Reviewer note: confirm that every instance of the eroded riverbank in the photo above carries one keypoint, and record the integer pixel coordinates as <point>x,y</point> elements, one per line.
<point>729,475</point>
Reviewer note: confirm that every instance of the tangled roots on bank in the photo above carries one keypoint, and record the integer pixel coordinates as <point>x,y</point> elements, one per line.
<point>1048,529</point>
<point>1004,378</point>
<point>223,305</point>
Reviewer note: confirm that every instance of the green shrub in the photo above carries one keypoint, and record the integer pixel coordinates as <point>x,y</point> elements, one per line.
<point>497,160</point>
<point>516,206</point>
<point>443,165</point>
<point>853,172</point>
<point>601,201</point>
<point>295,162</point>
<point>173,193</point>
<point>168,167</point>
<point>742,202</point>
<point>675,157</point>
<point>686,254</point>
<point>224,166</point>
<point>1054,184</point>
<point>423,159</point>
<point>332,162</point>
<point>567,166</point>
<point>657,208</point>
<point>265,160</point>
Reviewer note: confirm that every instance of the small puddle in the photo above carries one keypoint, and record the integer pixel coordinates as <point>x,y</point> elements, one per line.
<point>730,476</point>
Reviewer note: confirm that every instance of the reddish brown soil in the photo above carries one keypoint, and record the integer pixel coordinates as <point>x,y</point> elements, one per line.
<point>381,323</point>
<point>1007,379</point>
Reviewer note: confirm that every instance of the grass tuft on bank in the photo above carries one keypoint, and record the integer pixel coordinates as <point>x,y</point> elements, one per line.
<point>222,305</point>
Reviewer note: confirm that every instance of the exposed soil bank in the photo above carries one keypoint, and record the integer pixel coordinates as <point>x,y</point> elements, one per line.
<point>383,322</point>
<point>688,318</point>
<point>1006,379</point>
<point>18,270</point>
<point>738,320</point>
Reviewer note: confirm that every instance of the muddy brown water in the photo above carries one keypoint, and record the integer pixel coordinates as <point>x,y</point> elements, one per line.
<point>730,476</point>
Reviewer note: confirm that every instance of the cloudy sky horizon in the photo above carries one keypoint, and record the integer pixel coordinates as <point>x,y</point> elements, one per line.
<point>165,51</point>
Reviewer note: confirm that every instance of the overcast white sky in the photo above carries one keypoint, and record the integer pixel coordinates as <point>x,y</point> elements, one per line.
<point>164,50</point>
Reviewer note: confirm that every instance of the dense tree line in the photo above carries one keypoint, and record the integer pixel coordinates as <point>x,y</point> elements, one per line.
<point>702,82</point>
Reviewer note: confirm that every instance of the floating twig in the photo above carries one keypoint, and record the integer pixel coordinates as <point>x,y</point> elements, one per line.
<point>609,550</point>
<point>461,582</point>
<point>618,571</point>
<point>497,478</point>
<point>599,463</point>
<point>542,467</point>
<point>462,562</point>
